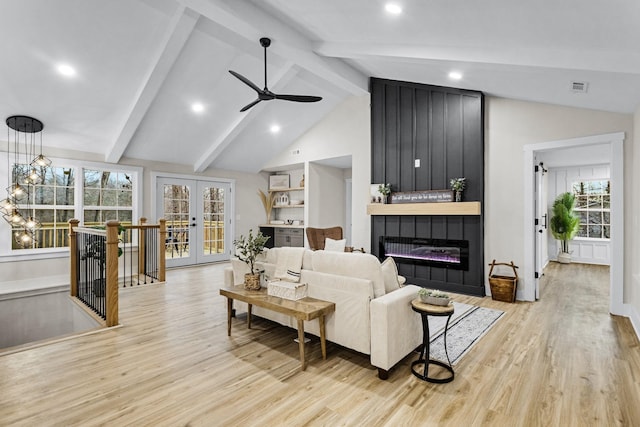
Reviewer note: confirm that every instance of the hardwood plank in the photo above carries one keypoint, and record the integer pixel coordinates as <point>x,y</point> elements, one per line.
<point>560,361</point>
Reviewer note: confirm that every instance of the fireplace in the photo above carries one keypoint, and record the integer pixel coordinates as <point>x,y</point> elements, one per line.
<point>443,253</point>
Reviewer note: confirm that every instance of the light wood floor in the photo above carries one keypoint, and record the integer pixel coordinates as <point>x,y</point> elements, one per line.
<point>563,361</point>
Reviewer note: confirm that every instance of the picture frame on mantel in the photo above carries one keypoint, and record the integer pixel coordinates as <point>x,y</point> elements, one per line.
<point>279,182</point>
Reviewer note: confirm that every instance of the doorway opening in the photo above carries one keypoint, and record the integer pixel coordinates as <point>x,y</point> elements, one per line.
<point>614,146</point>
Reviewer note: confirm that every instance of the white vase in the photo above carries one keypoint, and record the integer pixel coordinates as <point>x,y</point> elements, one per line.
<point>564,258</point>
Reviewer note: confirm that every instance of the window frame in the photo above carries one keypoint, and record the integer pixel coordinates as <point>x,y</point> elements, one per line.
<point>7,254</point>
<point>587,210</point>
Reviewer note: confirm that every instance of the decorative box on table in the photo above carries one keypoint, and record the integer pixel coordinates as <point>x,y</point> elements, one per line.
<point>287,290</point>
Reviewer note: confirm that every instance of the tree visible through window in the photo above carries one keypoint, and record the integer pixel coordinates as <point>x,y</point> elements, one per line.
<point>107,196</point>
<point>593,205</point>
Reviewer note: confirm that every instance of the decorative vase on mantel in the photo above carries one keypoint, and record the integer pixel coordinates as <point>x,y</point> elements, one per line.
<point>458,195</point>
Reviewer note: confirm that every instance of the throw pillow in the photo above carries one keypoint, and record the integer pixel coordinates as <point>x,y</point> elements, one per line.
<point>289,264</point>
<point>390,274</point>
<point>334,245</point>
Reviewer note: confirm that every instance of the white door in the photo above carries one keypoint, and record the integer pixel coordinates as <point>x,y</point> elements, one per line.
<point>198,220</point>
<point>541,225</point>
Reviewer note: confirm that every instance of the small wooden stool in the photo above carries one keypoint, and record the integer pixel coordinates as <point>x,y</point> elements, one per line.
<point>425,311</point>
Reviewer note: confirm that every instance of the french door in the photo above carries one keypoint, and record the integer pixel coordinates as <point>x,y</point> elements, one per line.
<point>198,215</point>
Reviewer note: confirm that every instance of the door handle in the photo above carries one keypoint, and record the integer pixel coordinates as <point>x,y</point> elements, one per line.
<point>545,222</point>
<point>193,225</point>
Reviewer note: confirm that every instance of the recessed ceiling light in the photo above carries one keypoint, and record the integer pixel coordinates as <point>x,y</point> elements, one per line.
<point>274,128</point>
<point>393,8</point>
<point>66,70</point>
<point>197,107</point>
<point>455,75</point>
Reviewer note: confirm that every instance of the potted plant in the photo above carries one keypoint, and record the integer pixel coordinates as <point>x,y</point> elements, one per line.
<point>247,249</point>
<point>385,190</point>
<point>564,224</point>
<point>457,185</point>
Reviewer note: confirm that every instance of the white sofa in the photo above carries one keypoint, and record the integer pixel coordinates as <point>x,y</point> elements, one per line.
<point>373,315</point>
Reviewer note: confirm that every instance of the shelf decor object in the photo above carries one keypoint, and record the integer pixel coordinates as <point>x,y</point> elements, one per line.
<point>424,196</point>
<point>443,208</point>
<point>278,182</point>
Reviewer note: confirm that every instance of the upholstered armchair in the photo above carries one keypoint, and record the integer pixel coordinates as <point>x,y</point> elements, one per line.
<point>317,236</point>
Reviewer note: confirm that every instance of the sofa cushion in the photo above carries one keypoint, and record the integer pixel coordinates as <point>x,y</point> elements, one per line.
<point>240,268</point>
<point>390,275</point>
<point>334,245</point>
<point>351,264</point>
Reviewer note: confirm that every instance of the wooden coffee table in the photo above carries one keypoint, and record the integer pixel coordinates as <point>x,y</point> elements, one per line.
<point>302,309</point>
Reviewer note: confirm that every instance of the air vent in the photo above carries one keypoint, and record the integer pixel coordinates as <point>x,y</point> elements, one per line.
<point>579,87</point>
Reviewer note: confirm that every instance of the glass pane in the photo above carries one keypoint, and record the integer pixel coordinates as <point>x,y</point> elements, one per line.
<point>44,195</point>
<point>92,178</point>
<point>581,202</point>
<point>91,197</point>
<point>606,201</point>
<point>124,198</point>
<point>125,216</point>
<point>92,217</point>
<point>64,196</point>
<point>595,231</point>
<point>109,198</point>
<point>607,231</point>
<point>582,231</point>
<point>606,218</point>
<point>594,202</point>
<point>64,215</point>
<point>595,217</point>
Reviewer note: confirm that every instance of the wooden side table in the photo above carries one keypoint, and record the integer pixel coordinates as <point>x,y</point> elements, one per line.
<point>425,310</point>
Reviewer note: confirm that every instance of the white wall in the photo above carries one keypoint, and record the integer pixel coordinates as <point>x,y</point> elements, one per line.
<point>326,196</point>
<point>346,131</point>
<point>588,251</point>
<point>509,126</point>
<point>632,249</point>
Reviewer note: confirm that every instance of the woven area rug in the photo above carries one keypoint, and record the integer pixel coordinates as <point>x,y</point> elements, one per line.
<point>465,330</point>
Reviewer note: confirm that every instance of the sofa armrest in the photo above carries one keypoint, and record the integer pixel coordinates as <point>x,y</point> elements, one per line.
<point>396,330</point>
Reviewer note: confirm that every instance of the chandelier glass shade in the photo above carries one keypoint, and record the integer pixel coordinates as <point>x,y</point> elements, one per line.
<point>26,167</point>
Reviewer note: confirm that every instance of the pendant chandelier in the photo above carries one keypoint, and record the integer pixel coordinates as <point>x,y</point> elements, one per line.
<point>26,168</point>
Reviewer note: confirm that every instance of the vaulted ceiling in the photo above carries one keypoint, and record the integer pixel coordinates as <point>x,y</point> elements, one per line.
<point>140,65</point>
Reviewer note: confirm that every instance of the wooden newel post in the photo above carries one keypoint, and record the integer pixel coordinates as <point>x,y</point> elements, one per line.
<point>73,257</point>
<point>162,262</point>
<point>112,274</point>
<point>142,241</point>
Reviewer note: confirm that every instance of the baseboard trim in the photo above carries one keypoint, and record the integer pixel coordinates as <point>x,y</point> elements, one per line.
<point>634,316</point>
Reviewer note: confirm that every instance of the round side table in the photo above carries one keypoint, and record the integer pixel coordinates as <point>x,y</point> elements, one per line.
<point>425,310</point>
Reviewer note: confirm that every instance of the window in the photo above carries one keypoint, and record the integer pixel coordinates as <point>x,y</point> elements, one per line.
<point>91,192</point>
<point>107,196</point>
<point>593,206</point>
<point>50,202</point>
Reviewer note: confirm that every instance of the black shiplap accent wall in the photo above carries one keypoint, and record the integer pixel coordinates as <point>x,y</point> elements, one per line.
<point>443,127</point>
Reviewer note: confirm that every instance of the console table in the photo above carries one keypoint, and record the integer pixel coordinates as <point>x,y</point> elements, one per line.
<point>302,309</point>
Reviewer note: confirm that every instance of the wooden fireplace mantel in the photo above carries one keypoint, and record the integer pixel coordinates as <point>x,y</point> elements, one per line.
<point>442,208</point>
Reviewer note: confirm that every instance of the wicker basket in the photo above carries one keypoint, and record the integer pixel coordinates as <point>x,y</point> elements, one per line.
<point>503,288</point>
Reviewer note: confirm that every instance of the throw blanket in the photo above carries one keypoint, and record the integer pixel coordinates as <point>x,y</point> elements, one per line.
<point>289,264</point>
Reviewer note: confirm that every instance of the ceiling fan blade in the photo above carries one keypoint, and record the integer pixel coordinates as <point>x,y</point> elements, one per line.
<point>246,107</point>
<point>246,81</point>
<point>298,98</point>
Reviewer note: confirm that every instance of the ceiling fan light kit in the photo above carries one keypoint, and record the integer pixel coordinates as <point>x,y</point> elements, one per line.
<point>265,94</point>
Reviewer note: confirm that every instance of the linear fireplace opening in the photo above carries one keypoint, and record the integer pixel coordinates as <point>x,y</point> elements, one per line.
<point>443,253</point>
